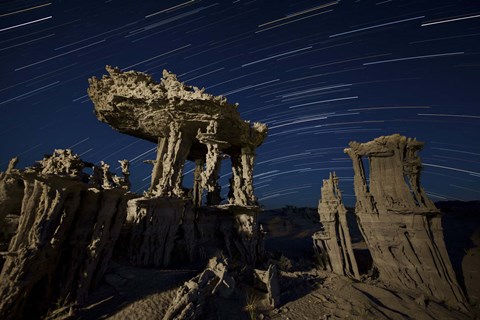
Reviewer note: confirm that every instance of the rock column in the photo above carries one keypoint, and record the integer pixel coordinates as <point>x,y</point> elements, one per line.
<point>157,172</point>
<point>333,243</point>
<point>242,178</point>
<point>213,196</point>
<point>197,183</point>
<point>213,159</point>
<point>401,226</point>
<point>173,161</point>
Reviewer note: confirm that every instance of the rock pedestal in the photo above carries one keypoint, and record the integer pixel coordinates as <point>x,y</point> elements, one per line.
<point>165,231</point>
<point>153,225</point>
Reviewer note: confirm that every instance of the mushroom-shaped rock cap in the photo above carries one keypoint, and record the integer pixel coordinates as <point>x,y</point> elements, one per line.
<point>133,103</point>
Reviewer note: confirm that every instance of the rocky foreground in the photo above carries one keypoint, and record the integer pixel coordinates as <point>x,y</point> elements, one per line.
<point>133,293</point>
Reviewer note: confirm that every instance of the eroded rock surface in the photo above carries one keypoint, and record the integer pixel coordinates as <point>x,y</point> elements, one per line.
<point>154,225</point>
<point>399,223</point>
<point>67,228</point>
<point>163,231</point>
<point>333,244</point>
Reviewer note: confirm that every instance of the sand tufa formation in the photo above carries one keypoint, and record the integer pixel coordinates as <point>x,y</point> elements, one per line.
<point>333,244</point>
<point>400,224</point>
<point>187,124</point>
<point>65,229</point>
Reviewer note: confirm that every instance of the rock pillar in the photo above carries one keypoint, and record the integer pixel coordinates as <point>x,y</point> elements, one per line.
<point>333,243</point>
<point>197,183</point>
<point>401,226</point>
<point>214,197</point>
<point>173,161</point>
<point>364,199</point>
<point>157,172</point>
<point>242,178</point>
<point>213,160</point>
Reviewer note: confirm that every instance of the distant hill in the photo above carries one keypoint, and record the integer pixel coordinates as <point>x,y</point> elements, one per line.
<point>459,207</point>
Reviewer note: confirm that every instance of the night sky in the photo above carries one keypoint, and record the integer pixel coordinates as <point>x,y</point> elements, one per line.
<point>318,73</point>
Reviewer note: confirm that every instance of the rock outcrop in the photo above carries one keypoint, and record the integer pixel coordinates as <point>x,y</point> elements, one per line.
<point>67,227</point>
<point>399,223</point>
<point>187,124</point>
<point>332,244</point>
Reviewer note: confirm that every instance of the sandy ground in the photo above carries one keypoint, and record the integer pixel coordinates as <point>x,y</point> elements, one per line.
<point>135,293</point>
<point>289,233</point>
<point>131,293</point>
<point>327,296</point>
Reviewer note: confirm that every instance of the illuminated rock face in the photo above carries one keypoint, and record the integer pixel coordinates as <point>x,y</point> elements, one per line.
<point>68,224</point>
<point>187,124</point>
<point>333,244</point>
<point>399,223</point>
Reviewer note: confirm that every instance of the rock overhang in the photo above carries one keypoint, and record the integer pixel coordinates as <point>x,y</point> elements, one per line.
<point>133,103</point>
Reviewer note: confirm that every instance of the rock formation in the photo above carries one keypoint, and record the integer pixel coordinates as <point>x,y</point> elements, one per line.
<point>11,195</point>
<point>400,225</point>
<point>67,227</point>
<point>333,244</point>
<point>267,281</point>
<point>186,124</point>
<point>192,298</point>
<point>199,297</point>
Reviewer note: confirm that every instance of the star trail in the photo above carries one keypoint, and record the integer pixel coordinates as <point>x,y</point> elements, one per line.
<point>318,73</point>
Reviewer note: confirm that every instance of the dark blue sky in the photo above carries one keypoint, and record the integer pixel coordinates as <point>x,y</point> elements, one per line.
<point>319,73</point>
